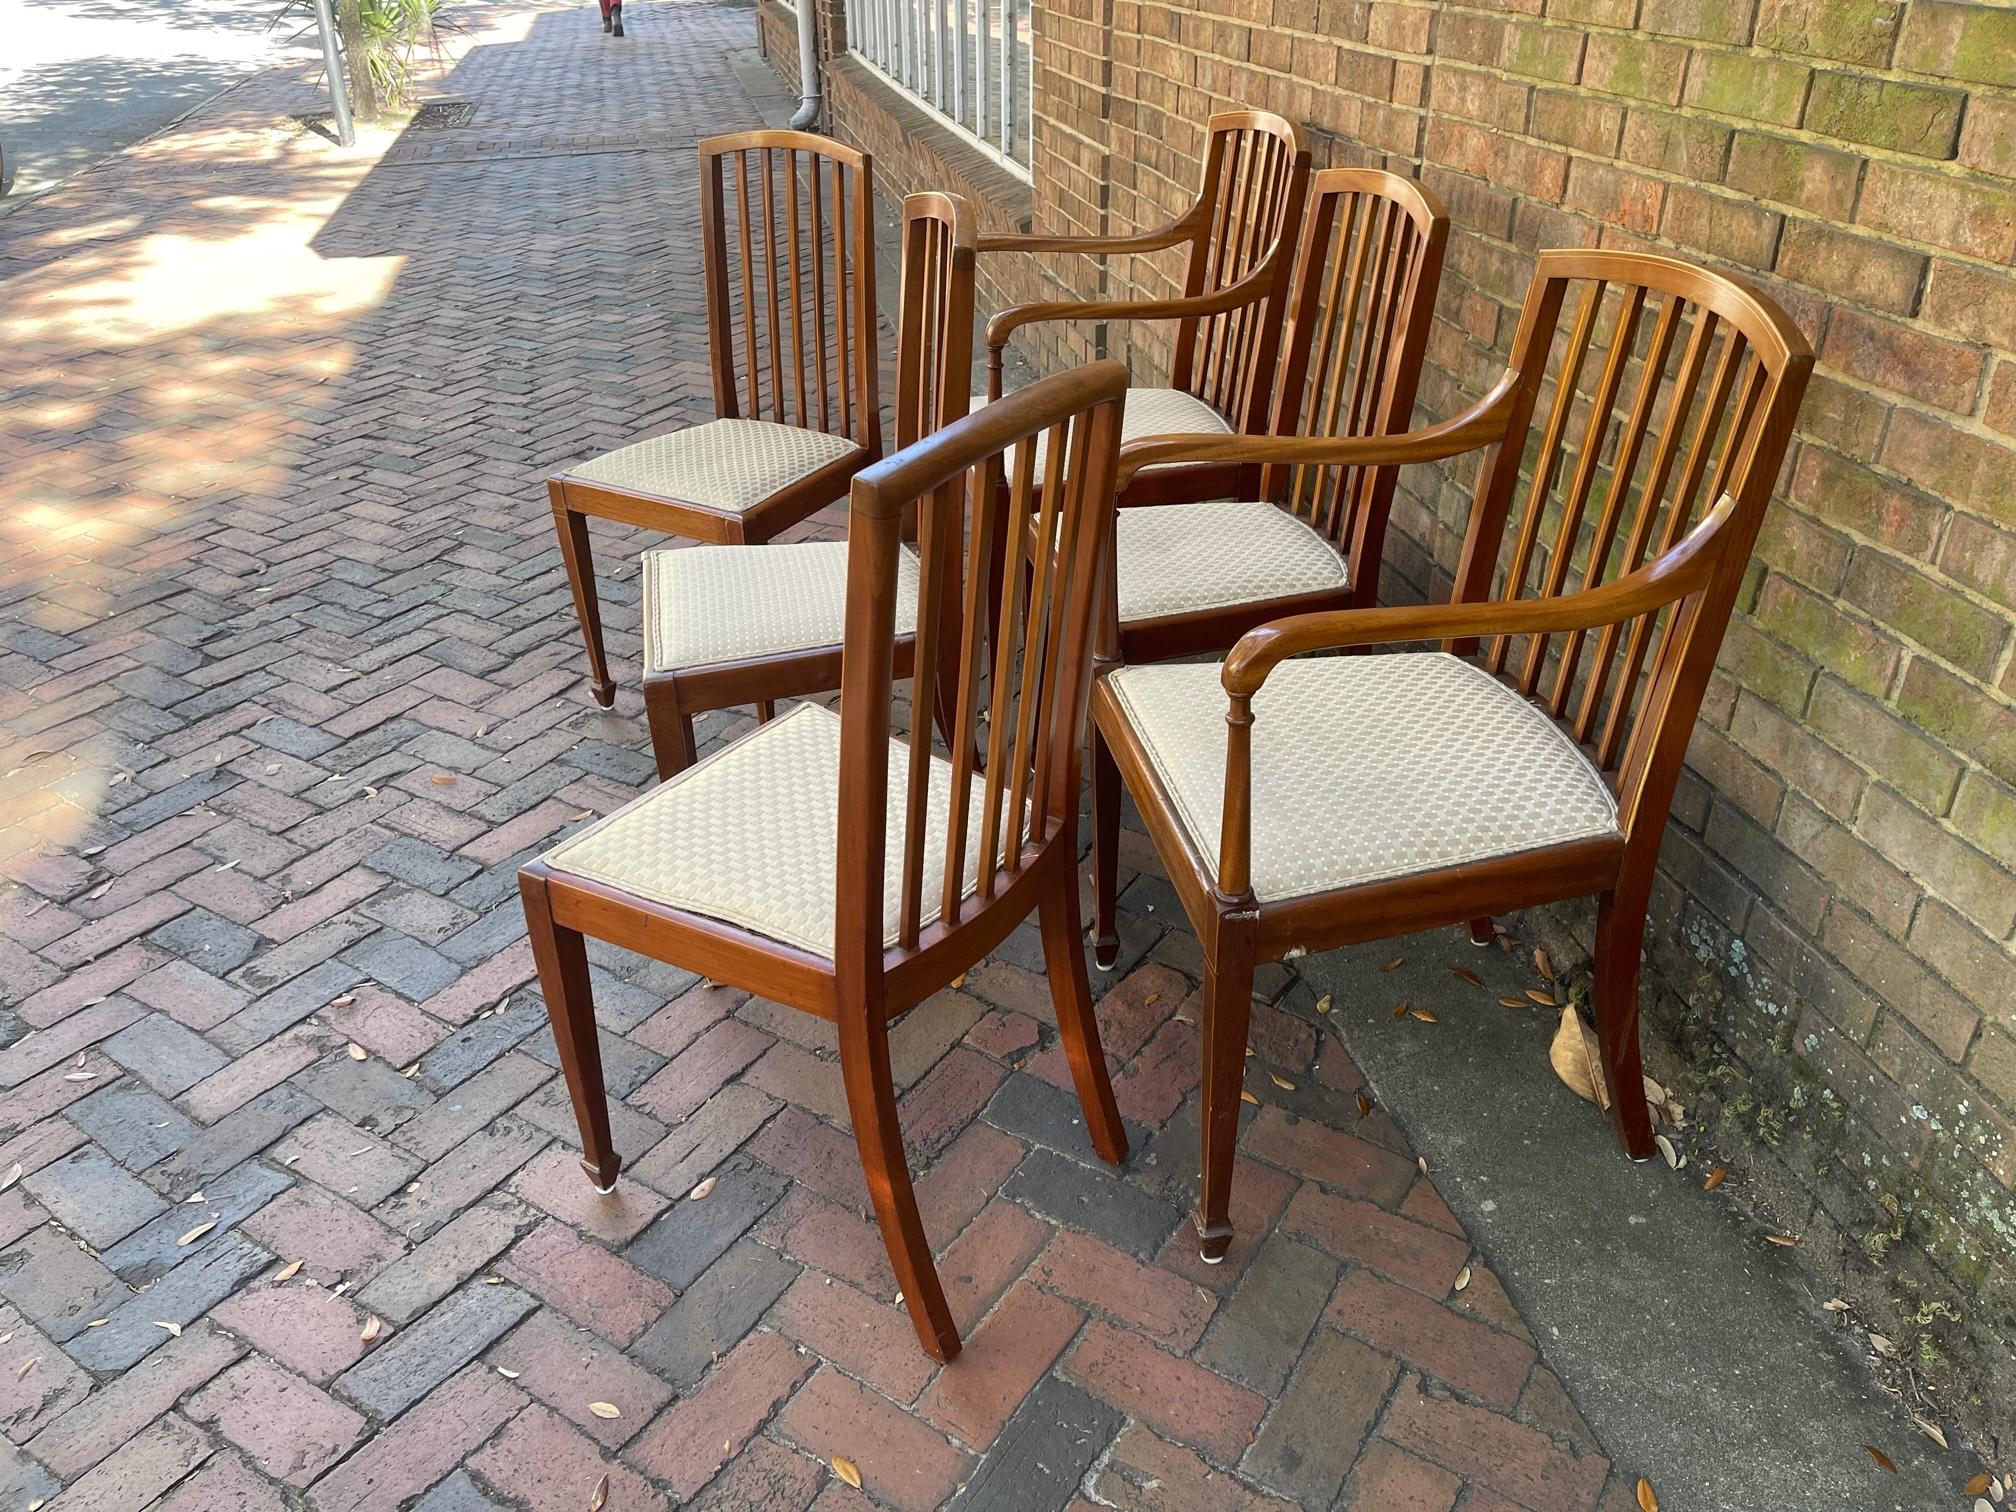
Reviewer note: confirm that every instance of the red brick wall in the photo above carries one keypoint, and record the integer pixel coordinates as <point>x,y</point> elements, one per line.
<point>1833,940</point>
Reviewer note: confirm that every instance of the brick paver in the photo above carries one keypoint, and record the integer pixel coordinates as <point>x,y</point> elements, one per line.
<point>290,687</point>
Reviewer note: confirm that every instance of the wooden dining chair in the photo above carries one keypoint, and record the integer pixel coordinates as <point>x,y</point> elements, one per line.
<point>824,864</point>
<point>1238,238</point>
<point>729,625</point>
<point>1193,577</point>
<point>1305,803</point>
<point>792,348</point>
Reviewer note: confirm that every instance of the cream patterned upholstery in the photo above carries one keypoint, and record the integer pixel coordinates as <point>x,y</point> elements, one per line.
<point>708,604</point>
<point>730,465</point>
<point>1149,412</point>
<point>750,836</point>
<point>1175,558</point>
<point>1368,767</point>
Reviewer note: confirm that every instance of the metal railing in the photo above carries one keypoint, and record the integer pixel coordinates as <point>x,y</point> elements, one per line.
<point>967,60</point>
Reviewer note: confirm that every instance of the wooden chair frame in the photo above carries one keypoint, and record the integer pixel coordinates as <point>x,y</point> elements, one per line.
<point>1361,304</point>
<point>1660,621</point>
<point>839,398</point>
<point>934,363</point>
<point>1240,235</point>
<point>1038,681</point>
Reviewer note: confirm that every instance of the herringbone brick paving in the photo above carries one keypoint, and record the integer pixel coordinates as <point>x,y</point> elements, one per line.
<point>291,687</point>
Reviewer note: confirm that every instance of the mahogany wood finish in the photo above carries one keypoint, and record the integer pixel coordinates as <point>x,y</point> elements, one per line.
<point>934,362</point>
<point>1362,302</point>
<point>790,338</point>
<point>1239,236</point>
<point>1032,678</point>
<point>1586,583</point>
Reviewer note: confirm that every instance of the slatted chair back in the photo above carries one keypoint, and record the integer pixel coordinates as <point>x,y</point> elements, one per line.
<point>1359,312</point>
<point>787,229</point>
<point>1256,176</point>
<point>1016,697</point>
<point>934,337</point>
<point>1669,391</point>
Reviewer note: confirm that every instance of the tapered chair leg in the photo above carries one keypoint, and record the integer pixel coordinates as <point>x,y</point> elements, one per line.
<point>1620,933</point>
<point>1105,853</point>
<point>1077,1022</point>
<point>671,728</point>
<point>1228,1005</point>
<point>1481,931</point>
<point>572,529</point>
<point>766,710</point>
<point>871,1104</point>
<point>562,960</point>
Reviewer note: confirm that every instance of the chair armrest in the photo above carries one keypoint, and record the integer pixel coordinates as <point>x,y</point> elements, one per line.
<point>1174,234</point>
<point>1671,577</point>
<point>1480,425</point>
<point>1249,290</point>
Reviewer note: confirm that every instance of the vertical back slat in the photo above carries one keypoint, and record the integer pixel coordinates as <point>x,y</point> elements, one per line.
<point>1549,459</point>
<point>818,260</point>
<point>843,280</point>
<point>1032,644</point>
<point>937,520</point>
<point>1686,384</point>
<point>983,507</point>
<point>1636,427</point>
<point>770,286</point>
<point>1006,645</point>
<point>791,239</point>
<point>749,364</point>
<point>1589,456</point>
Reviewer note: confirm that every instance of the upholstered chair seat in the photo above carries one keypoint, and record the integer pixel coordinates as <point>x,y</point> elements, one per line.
<point>729,465</point>
<point>1367,768</point>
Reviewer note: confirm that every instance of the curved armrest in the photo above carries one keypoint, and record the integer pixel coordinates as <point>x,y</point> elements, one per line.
<point>1174,234</point>
<point>1249,290</point>
<point>1679,572</point>
<point>1480,425</point>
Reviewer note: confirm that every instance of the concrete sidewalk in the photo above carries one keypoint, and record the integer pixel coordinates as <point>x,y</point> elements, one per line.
<point>290,686</point>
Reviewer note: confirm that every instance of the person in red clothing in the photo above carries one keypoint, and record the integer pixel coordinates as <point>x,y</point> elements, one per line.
<point>612,17</point>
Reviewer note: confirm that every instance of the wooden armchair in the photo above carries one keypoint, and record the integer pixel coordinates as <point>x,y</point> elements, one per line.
<point>791,342</point>
<point>728,625</point>
<point>1239,235</point>
<point>1304,803</point>
<point>1194,577</point>
<point>822,863</point>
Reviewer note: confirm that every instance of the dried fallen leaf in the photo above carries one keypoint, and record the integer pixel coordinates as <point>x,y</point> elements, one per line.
<point>1979,1485</point>
<point>1392,965</point>
<point>344,1001</point>
<point>1399,1010</point>
<point>1669,1152</point>
<point>509,1375</point>
<point>1424,1015</point>
<point>599,1497</point>
<point>1245,1096</point>
<point>288,1271</point>
<point>700,1192</point>
<point>81,1076</point>
<point>1512,1002</point>
<point>173,1328</point>
<point>1931,1430</point>
<point>1543,965</point>
<point>1648,1499</point>
<point>1364,1106</point>
<point>1463,1279</point>
<point>1464,973</point>
<point>1881,1345</point>
<point>1573,1055</point>
<point>197,1232</point>
<point>1715,1178</point>
<point>444,779</point>
<point>1835,1304</point>
<point>13,1175</point>
<point>27,1365</point>
<point>358,1053</point>
<point>1788,1240</point>
<point>847,1471</point>
<point>605,1409</point>
<point>1883,1461</point>
<point>1151,1000</point>
<point>371,1329</point>
<point>1323,1003</point>
<point>1544,999</point>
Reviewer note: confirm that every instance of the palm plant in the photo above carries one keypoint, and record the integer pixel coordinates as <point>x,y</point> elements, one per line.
<point>382,41</point>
